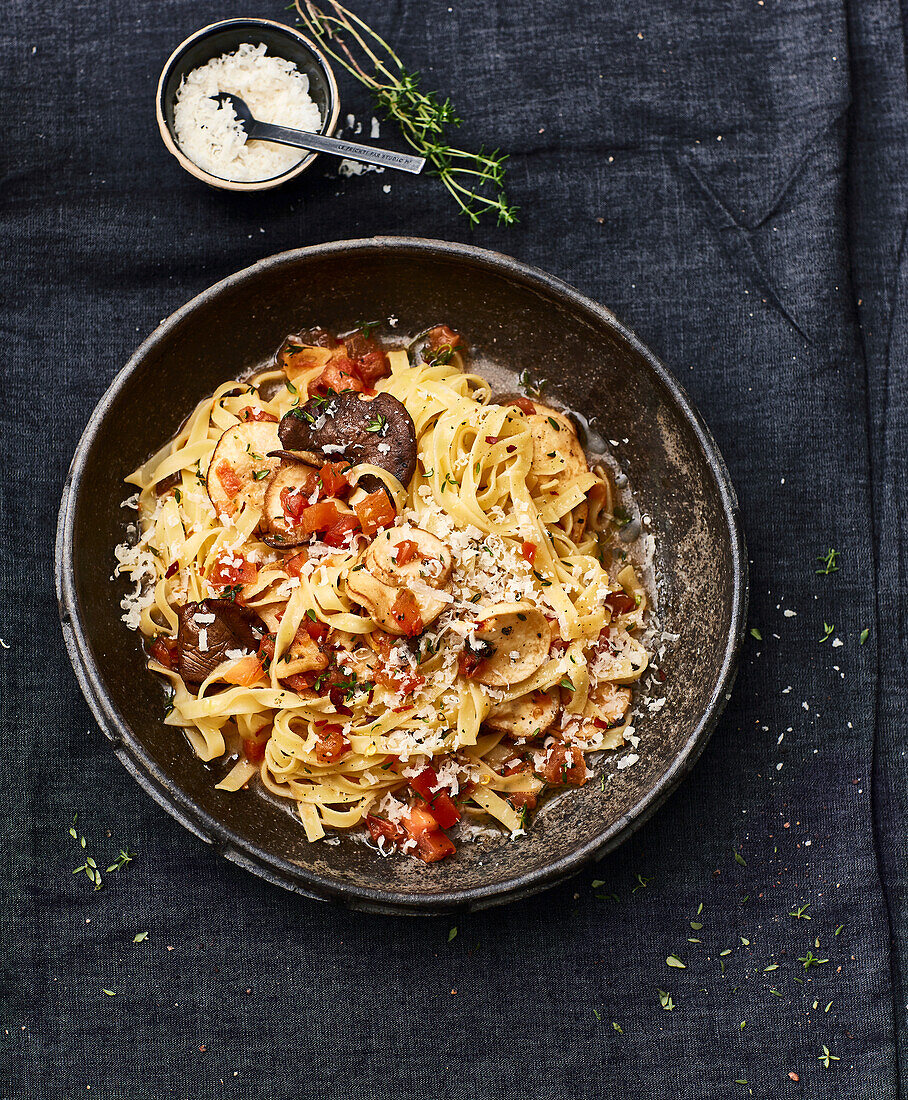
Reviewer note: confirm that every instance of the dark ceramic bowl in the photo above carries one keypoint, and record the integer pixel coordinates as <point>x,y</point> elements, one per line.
<point>226,37</point>
<point>517,316</point>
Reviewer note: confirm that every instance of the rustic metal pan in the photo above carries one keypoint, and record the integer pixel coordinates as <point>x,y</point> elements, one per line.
<point>520,317</point>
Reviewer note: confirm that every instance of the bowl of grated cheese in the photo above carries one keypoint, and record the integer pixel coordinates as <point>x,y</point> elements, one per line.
<point>283,77</point>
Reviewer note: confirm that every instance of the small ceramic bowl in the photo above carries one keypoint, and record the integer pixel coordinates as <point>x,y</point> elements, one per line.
<point>226,37</point>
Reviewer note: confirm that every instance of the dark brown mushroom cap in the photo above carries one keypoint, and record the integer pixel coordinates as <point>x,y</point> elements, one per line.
<point>350,428</point>
<point>231,629</point>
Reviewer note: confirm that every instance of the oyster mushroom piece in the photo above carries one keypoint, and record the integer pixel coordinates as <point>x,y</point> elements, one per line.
<point>207,631</point>
<point>427,561</point>
<point>380,599</point>
<point>606,706</point>
<point>556,449</point>
<point>240,466</point>
<point>519,638</point>
<point>525,717</point>
<point>356,429</point>
<point>279,532</point>
<point>303,655</point>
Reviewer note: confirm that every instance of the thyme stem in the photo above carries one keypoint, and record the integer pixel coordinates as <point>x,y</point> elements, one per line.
<point>474,180</point>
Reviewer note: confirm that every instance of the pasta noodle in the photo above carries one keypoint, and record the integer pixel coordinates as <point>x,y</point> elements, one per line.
<point>386,649</point>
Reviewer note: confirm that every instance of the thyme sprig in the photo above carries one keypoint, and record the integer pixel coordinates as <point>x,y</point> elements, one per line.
<point>474,180</point>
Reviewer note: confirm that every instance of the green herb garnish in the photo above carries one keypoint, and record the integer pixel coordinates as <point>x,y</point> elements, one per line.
<point>474,180</point>
<point>829,562</point>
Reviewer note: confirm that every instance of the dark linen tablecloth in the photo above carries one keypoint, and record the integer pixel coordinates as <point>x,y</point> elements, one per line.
<point>730,179</point>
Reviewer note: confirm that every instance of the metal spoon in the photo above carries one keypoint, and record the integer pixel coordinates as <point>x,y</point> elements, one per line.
<point>317,143</point>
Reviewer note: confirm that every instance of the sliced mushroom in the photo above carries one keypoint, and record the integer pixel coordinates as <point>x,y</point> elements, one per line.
<point>525,717</point>
<point>607,703</point>
<point>519,637</point>
<point>301,353</point>
<point>207,631</point>
<point>429,560</point>
<point>557,452</point>
<point>381,600</point>
<point>302,655</point>
<point>352,428</point>
<point>241,465</point>
<point>279,532</point>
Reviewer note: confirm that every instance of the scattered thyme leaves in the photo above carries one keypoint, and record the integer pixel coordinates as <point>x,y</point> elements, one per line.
<point>122,859</point>
<point>828,628</point>
<point>829,562</point>
<point>754,633</point>
<point>665,999</point>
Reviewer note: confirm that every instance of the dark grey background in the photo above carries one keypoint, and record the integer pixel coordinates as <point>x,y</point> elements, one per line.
<point>730,179</point>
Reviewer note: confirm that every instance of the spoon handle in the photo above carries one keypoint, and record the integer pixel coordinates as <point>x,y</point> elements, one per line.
<point>318,143</point>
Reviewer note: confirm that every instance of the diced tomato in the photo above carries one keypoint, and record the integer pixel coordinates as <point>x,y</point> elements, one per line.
<point>266,647</point>
<point>369,359</point>
<point>332,480</point>
<point>525,404</point>
<point>492,438</point>
<point>164,650</point>
<point>318,517</point>
<point>372,366</point>
<point>243,672</point>
<point>172,570</point>
<point>563,767</point>
<point>315,628</point>
<point>293,501</point>
<point>254,750</point>
<point>619,603</point>
<point>233,570</point>
<point>419,820</point>
<point>338,534</point>
<point>406,552</point>
<point>431,847</point>
<point>399,680</point>
<point>340,374</point>
<point>249,413</point>
<point>294,565</point>
<point>300,681</point>
<point>228,478</point>
<point>379,828</point>
<point>443,809</point>
<point>468,663</point>
<point>329,481</point>
<point>332,743</point>
<point>528,549</point>
<point>375,512</point>
<point>511,767</point>
<point>405,611</point>
<point>441,336</point>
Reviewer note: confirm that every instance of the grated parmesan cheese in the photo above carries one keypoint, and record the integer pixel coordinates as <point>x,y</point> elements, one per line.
<point>210,135</point>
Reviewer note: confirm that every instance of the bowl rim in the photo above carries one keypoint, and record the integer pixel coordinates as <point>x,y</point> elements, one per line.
<point>327,128</point>
<point>284,872</point>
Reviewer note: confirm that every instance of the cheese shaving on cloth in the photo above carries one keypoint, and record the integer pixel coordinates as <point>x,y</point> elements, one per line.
<point>382,591</point>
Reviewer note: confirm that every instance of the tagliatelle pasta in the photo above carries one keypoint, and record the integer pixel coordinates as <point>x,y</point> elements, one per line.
<point>383,593</point>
